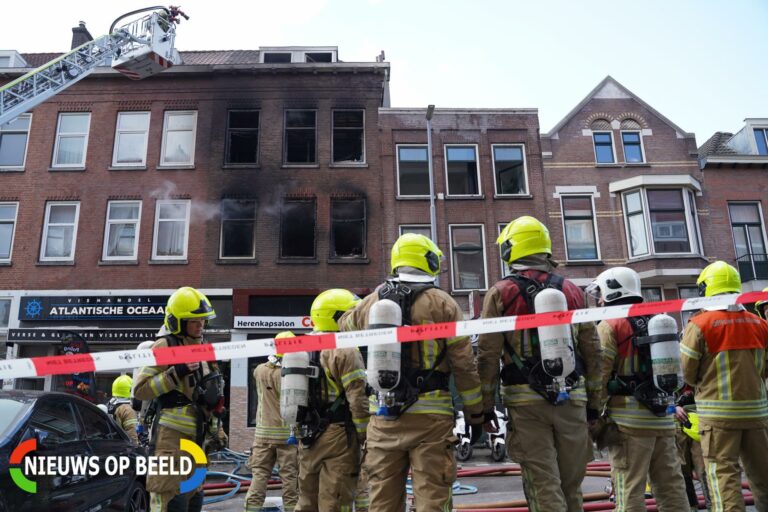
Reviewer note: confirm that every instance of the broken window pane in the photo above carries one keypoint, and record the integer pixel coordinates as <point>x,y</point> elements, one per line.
<point>461,166</point>
<point>297,229</point>
<point>348,136</point>
<point>347,228</point>
<point>243,137</point>
<point>510,170</point>
<point>300,136</point>
<point>238,226</point>
<point>413,171</point>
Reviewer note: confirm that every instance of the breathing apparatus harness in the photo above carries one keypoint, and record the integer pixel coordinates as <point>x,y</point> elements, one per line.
<point>640,383</point>
<point>413,380</point>
<point>207,395</point>
<point>530,370</point>
<point>319,414</point>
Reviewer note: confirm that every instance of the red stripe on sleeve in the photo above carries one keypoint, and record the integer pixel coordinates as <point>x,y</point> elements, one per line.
<point>426,332</point>
<point>542,319</point>
<point>166,356</point>
<point>57,365</point>
<point>654,308</point>
<point>306,343</point>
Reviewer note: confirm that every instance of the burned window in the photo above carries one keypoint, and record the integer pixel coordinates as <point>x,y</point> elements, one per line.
<point>238,227</point>
<point>297,228</point>
<point>347,228</point>
<point>348,136</point>
<point>300,136</point>
<point>242,137</point>
<point>277,58</point>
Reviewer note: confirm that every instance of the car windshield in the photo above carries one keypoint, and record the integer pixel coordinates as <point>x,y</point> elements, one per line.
<point>10,412</point>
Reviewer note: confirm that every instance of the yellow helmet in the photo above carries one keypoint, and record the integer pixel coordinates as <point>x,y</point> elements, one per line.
<point>693,430</point>
<point>760,307</point>
<point>186,304</point>
<point>328,307</point>
<point>718,277</point>
<point>121,386</point>
<point>522,237</point>
<point>284,334</point>
<point>417,251</point>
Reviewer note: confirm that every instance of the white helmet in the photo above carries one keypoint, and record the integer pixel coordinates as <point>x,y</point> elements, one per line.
<point>617,283</point>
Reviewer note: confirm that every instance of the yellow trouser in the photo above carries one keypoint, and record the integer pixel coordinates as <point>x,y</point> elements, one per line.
<point>552,445</point>
<point>163,488</point>
<point>263,458</point>
<point>328,472</point>
<point>425,443</point>
<point>637,459</point>
<point>722,448</point>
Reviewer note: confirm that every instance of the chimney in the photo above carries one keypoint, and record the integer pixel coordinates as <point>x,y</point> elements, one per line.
<point>80,35</point>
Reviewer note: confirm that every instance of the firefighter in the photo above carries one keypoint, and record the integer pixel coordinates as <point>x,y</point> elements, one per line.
<point>548,438</point>
<point>188,398</point>
<point>724,359</point>
<point>269,440</point>
<point>417,432</point>
<point>119,407</point>
<point>329,458</point>
<point>647,449</point>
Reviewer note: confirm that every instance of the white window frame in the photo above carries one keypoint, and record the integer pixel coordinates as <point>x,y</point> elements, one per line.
<point>525,169</point>
<point>691,224</point>
<point>477,162</point>
<point>158,204</point>
<point>752,140</point>
<point>655,286</point>
<point>642,147</point>
<point>403,227</point>
<point>13,232</point>
<point>85,136</point>
<point>166,115</point>
<point>346,163</point>
<point>485,259</point>
<point>108,223</point>
<point>613,147</point>
<point>10,312</point>
<point>594,227</point>
<point>221,231</point>
<point>762,223</point>
<point>397,169</point>
<point>47,225</point>
<point>118,132</point>
<point>26,145</point>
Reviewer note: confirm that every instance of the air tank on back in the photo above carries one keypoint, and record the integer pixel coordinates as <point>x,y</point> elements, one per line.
<point>384,360</point>
<point>555,342</point>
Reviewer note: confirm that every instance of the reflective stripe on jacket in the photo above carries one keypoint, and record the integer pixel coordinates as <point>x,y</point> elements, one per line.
<point>724,358</point>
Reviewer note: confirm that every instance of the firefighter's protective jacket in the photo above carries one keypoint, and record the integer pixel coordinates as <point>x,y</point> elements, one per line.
<point>430,307</point>
<point>154,381</point>
<point>619,357</point>
<point>505,299</point>
<point>126,418</point>
<point>270,427</point>
<point>724,357</point>
<point>345,372</point>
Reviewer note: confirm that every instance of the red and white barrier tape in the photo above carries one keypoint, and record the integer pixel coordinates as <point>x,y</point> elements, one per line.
<point>123,359</point>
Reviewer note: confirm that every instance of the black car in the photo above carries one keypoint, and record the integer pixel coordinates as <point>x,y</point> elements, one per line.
<point>67,426</point>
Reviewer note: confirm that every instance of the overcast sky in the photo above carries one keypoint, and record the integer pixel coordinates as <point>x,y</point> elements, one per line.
<point>701,63</point>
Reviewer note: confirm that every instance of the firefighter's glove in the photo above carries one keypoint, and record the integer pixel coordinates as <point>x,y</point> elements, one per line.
<point>490,422</point>
<point>182,370</point>
<point>686,399</point>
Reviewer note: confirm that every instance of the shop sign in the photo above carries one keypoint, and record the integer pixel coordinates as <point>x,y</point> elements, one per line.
<point>97,336</point>
<point>63,308</point>
<point>273,322</point>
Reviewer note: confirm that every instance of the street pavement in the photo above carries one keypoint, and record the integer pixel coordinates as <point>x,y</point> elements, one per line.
<point>489,488</point>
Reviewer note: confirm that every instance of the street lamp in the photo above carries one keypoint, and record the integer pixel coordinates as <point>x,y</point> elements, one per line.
<point>432,215</point>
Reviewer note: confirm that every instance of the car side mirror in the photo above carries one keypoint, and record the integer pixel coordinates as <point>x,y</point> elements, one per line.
<point>43,438</point>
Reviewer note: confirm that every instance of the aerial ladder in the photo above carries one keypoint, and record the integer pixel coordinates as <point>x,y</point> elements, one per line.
<point>138,49</point>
